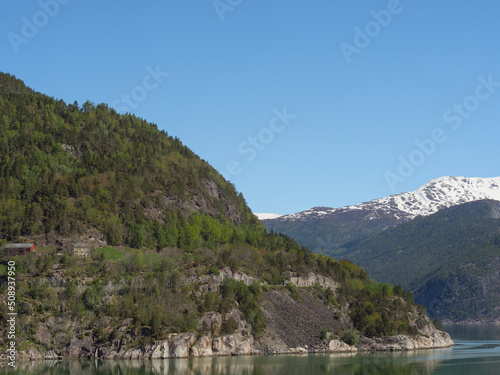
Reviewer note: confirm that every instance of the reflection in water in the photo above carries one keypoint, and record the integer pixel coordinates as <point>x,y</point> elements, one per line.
<point>480,356</point>
<point>397,363</point>
<point>474,332</point>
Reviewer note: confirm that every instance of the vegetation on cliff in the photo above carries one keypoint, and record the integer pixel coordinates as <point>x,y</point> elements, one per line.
<point>141,296</point>
<point>168,219</point>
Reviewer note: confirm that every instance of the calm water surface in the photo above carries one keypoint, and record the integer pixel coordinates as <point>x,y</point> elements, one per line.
<point>477,352</point>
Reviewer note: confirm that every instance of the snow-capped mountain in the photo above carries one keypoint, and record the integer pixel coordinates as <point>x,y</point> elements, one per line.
<point>428,199</point>
<point>321,228</point>
<point>455,231</point>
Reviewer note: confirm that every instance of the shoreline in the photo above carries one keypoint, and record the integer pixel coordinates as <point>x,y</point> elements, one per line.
<point>470,323</point>
<point>186,347</point>
<point>284,353</point>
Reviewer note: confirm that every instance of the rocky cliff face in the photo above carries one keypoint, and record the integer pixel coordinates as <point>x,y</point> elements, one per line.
<point>193,345</point>
<point>294,326</point>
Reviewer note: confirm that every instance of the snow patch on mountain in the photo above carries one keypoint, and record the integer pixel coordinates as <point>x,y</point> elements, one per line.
<point>264,216</point>
<point>437,194</point>
<point>443,192</point>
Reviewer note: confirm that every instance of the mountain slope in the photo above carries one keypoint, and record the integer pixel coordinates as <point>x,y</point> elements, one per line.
<point>328,229</point>
<point>449,260</point>
<point>190,266</point>
<point>67,171</point>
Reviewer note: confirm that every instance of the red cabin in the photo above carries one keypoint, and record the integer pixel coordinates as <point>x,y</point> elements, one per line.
<point>18,249</point>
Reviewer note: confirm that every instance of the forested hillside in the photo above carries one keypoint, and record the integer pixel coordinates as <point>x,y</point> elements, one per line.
<point>328,234</point>
<point>448,260</point>
<point>65,168</point>
<point>181,252</point>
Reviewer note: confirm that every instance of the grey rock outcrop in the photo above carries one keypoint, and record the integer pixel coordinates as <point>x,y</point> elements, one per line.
<point>311,279</point>
<point>337,346</point>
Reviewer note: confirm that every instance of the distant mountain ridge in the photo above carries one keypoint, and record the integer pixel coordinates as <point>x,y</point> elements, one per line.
<point>325,228</point>
<point>437,194</point>
<point>441,241</point>
<point>449,260</point>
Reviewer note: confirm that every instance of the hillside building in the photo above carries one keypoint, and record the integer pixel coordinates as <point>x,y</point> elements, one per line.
<point>18,249</point>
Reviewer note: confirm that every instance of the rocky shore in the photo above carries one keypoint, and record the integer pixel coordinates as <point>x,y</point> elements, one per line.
<point>278,339</point>
<point>191,345</point>
<point>298,325</point>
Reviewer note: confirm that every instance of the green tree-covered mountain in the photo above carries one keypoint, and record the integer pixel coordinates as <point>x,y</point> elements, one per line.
<point>328,234</point>
<point>449,260</point>
<point>66,168</point>
<point>177,250</point>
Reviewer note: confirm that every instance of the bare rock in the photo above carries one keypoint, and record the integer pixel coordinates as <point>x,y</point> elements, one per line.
<point>161,350</point>
<point>311,279</point>
<point>202,348</point>
<point>57,281</point>
<point>79,348</point>
<point>181,345</point>
<point>438,339</point>
<point>30,354</point>
<point>211,321</point>
<point>271,343</point>
<point>234,344</point>
<point>299,350</point>
<point>112,355</point>
<point>227,273</point>
<point>51,355</point>
<point>212,188</point>
<point>337,346</point>
<point>93,237</point>
<point>43,335</point>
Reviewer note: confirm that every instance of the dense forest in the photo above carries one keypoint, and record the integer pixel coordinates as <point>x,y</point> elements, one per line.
<point>447,259</point>
<point>65,168</point>
<point>330,234</point>
<point>167,217</point>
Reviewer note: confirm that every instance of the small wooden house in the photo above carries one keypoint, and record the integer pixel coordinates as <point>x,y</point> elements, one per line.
<point>81,250</point>
<point>18,249</point>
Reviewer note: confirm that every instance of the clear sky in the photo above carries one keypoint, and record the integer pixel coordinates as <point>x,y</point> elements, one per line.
<point>298,103</point>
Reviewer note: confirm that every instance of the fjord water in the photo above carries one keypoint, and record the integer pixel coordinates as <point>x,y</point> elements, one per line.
<point>477,352</point>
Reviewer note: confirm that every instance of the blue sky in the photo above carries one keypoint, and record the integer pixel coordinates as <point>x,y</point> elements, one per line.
<point>298,103</point>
